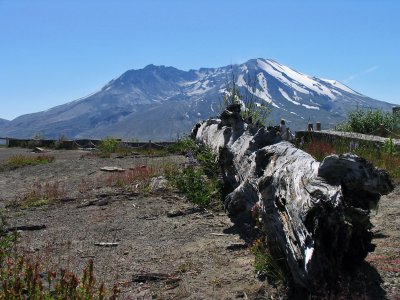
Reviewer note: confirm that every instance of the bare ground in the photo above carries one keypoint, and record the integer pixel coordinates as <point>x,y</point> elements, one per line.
<point>205,255</point>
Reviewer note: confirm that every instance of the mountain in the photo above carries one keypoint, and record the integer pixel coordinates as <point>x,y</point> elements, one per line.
<point>3,122</point>
<point>160,103</point>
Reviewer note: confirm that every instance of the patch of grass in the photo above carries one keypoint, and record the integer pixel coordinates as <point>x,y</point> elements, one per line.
<point>19,161</point>
<point>151,152</point>
<point>41,194</point>
<point>23,278</point>
<point>269,259</point>
<point>109,146</point>
<point>319,150</point>
<point>182,146</point>
<point>384,157</point>
<point>137,179</point>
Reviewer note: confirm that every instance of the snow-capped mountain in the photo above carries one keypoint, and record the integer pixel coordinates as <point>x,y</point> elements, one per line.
<point>160,103</point>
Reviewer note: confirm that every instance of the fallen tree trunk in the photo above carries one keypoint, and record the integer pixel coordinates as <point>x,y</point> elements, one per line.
<point>317,214</point>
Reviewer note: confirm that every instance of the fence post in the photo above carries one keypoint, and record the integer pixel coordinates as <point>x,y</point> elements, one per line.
<point>382,130</point>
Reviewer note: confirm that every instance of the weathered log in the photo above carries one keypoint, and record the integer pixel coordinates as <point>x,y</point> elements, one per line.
<point>317,214</point>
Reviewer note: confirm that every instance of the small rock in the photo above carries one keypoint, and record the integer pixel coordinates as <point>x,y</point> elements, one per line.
<point>158,184</point>
<point>39,150</point>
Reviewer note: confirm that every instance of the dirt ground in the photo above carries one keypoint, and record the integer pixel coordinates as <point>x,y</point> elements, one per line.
<point>129,234</point>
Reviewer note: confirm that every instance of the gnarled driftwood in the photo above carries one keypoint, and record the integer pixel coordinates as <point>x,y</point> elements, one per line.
<point>317,214</point>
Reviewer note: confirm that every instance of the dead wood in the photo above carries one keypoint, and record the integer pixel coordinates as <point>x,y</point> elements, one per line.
<point>25,228</point>
<point>146,277</point>
<point>106,244</point>
<point>315,214</point>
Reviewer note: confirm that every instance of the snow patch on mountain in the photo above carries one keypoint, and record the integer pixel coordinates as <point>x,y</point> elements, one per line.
<point>262,94</point>
<point>286,96</point>
<point>305,80</point>
<point>341,86</point>
<point>310,106</point>
<point>264,65</point>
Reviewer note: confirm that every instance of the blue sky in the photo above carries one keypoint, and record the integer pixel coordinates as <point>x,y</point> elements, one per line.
<point>53,52</point>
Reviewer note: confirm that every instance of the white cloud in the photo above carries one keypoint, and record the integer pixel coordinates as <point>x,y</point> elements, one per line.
<point>354,76</point>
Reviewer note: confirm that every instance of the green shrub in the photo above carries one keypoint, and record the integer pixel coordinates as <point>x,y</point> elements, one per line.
<point>193,183</point>
<point>208,161</point>
<point>200,183</point>
<point>389,147</point>
<point>108,145</point>
<point>368,121</point>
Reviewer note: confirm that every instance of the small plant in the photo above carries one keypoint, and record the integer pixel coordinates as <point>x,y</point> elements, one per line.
<point>185,267</point>
<point>208,161</point>
<point>266,264</point>
<point>389,147</point>
<point>195,185</point>
<point>42,194</point>
<point>216,282</point>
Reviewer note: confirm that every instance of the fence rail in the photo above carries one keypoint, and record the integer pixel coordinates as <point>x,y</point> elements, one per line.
<point>79,143</point>
<point>331,135</point>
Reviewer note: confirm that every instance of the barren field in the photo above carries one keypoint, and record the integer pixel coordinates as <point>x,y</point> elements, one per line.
<point>185,252</point>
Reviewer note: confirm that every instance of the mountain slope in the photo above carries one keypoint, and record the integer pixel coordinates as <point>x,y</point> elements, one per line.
<point>160,103</point>
<point>3,122</point>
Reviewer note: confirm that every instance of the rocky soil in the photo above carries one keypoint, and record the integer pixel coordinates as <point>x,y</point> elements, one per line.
<point>195,253</point>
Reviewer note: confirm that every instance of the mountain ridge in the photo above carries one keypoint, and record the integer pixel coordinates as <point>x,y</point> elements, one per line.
<point>162,102</point>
